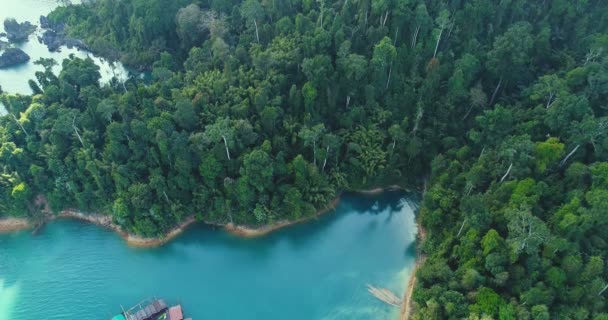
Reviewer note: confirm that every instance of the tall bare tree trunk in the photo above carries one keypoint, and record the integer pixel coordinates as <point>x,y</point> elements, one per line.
<point>390,70</point>
<point>76,131</point>
<point>550,101</point>
<point>325,161</point>
<point>415,36</point>
<point>257,34</point>
<point>437,45</point>
<point>507,174</point>
<point>563,162</point>
<point>461,227</point>
<point>20,126</point>
<point>226,145</point>
<point>418,118</point>
<point>495,92</point>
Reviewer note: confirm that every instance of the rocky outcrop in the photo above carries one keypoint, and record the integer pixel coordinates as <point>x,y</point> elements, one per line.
<point>54,36</point>
<point>13,56</point>
<point>18,32</point>
<point>46,23</point>
<point>54,41</point>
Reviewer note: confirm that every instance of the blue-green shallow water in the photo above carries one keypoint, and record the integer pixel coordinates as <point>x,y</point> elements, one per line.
<point>317,270</point>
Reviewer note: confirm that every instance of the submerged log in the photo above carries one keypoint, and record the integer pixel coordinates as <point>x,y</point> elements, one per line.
<point>385,296</point>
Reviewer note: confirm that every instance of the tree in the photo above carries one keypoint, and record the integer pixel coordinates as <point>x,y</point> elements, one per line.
<point>383,57</point>
<point>185,116</point>
<point>487,302</point>
<point>311,135</point>
<point>80,73</point>
<point>527,233</point>
<point>221,129</point>
<point>491,241</point>
<point>540,312</point>
<point>188,21</point>
<point>443,22</point>
<point>258,169</point>
<point>510,55</point>
<point>253,11</point>
<point>548,153</point>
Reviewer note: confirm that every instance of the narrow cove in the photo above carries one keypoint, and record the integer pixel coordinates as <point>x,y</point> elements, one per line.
<point>316,270</point>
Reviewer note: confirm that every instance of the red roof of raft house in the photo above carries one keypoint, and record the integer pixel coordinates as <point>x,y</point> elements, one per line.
<point>175,313</point>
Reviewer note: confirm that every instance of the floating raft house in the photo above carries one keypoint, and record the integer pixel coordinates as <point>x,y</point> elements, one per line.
<point>152,309</point>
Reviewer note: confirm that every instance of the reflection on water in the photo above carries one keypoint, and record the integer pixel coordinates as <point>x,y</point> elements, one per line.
<point>8,299</point>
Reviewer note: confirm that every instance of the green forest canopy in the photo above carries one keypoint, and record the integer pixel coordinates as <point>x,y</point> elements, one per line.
<point>265,110</point>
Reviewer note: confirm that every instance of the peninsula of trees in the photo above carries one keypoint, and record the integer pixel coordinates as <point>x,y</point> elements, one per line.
<point>263,110</point>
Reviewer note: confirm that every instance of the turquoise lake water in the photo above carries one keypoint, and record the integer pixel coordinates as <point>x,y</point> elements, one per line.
<point>316,270</point>
<point>14,79</point>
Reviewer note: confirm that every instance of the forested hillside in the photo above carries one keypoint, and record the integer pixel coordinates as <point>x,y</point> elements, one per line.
<point>259,111</point>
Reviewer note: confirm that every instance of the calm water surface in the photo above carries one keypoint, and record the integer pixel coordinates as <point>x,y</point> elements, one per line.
<point>14,79</point>
<point>316,270</point>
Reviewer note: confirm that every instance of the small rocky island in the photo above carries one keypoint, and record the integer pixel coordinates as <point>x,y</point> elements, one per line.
<point>18,32</point>
<point>13,56</point>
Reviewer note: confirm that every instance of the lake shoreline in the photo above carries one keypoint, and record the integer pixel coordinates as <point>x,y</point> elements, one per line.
<point>407,306</point>
<point>9,225</point>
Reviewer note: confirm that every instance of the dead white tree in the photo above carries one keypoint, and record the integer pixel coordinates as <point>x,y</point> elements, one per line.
<point>76,131</point>
<point>415,37</point>
<point>325,160</point>
<point>226,145</point>
<point>550,100</point>
<point>470,187</point>
<point>461,227</point>
<point>443,21</point>
<point>388,81</point>
<point>418,118</point>
<point>385,18</point>
<point>563,162</point>
<point>507,173</point>
<point>495,92</point>
<point>257,33</point>
<point>592,55</point>
<point>20,125</point>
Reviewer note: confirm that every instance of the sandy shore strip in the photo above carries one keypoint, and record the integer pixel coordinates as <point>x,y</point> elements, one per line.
<point>14,224</point>
<point>250,232</point>
<point>407,307</point>
<point>379,190</point>
<point>17,224</point>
